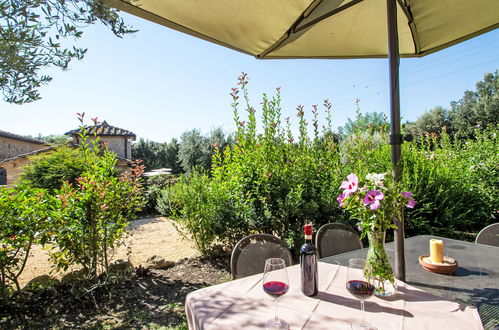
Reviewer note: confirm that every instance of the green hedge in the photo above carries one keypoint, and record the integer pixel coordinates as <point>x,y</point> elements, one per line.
<point>268,182</point>
<point>455,184</point>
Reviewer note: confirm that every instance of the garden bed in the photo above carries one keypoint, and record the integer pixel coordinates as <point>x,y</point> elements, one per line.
<point>143,300</point>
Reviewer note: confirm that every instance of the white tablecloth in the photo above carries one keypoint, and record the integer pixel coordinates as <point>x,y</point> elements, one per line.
<point>242,304</point>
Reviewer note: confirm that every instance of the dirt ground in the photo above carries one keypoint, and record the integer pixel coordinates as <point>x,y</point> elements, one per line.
<point>151,236</point>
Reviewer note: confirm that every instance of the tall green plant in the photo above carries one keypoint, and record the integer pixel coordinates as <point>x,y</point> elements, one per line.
<point>267,182</point>
<point>94,212</point>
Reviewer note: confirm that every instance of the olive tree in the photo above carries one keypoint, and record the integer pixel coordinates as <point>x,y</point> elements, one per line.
<point>33,37</point>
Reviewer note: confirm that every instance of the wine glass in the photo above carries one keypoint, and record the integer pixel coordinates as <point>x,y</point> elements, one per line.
<point>275,284</point>
<point>360,287</point>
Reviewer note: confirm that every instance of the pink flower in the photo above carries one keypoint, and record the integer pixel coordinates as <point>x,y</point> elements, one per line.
<point>373,198</point>
<point>411,202</point>
<point>359,227</point>
<point>407,194</point>
<point>351,185</point>
<point>341,198</point>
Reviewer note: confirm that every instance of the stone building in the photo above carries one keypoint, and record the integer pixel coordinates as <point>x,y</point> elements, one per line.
<point>14,152</point>
<point>11,168</point>
<point>119,140</point>
<point>12,145</point>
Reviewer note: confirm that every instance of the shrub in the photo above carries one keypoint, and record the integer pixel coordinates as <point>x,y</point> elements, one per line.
<point>456,184</point>
<point>49,170</point>
<point>95,210</point>
<point>82,222</point>
<point>268,182</point>
<point>191,199</point>
<point>153,186</point>
<point>26,216</point>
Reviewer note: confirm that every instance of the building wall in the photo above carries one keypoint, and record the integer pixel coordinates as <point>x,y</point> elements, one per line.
<point>14,169</point>
<point>119,144</point>
<point>10,148</point>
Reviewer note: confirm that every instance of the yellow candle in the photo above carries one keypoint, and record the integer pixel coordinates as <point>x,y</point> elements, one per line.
<point>436,251</point>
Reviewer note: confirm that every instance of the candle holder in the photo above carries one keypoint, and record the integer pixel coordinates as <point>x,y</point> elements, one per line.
<point>449,265</point>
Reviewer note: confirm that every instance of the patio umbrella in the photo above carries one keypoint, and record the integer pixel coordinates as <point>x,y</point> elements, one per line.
<point>278,29</point>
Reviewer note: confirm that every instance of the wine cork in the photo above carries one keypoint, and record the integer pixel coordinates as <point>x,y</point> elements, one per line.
<point>436,251</point>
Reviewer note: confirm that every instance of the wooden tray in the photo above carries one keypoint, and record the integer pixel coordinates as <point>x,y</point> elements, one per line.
<point>448,267</point>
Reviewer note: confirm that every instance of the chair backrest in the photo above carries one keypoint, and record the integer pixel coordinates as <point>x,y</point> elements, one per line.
<point>489,235</point>
<point>251,252</point>
<point>336,238</point>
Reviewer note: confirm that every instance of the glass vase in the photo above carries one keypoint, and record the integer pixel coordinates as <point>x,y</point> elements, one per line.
<point>378,266</point>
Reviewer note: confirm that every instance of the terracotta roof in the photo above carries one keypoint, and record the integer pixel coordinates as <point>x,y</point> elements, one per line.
<point>104,129</point>
<point>21,138</point>
<point>32,153</point>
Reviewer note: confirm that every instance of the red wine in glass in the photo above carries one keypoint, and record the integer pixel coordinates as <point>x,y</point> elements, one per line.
<point>275,288</point>
<point>275,284</point>
<point>360,289</point>
<point>359,286</point>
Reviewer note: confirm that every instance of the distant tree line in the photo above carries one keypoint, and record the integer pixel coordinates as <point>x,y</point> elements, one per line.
<point>369,121</point>
<point>54,139</point>
<point>476,109</point>
<point>192,150</point>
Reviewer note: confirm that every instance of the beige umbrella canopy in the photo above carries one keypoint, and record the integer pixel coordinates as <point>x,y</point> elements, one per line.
<point>321,29</point>
<point>274,29</point>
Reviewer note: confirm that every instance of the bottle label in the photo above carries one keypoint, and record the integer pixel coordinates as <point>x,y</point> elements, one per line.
<point>308,237</point>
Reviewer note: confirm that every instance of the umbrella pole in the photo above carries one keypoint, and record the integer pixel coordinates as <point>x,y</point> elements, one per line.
<point>395,137</point>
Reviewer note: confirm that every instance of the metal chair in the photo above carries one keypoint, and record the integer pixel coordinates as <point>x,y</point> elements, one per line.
<point>336,238</point>
<point>249,254</point>
<point>489,235</point>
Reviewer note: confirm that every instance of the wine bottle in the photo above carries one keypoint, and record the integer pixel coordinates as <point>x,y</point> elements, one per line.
<point>308,263</point>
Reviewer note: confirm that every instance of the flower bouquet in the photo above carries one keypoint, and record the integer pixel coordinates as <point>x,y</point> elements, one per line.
<point>375,204</point>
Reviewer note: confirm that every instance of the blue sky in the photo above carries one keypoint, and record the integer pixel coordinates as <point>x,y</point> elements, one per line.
<point>160,83</point>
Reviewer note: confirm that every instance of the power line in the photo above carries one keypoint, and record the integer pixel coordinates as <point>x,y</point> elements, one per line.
<point>419,69</point>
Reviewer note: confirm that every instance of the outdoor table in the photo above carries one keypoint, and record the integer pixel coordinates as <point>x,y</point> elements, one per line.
<point>475,283</point>
<point>242,304</point>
